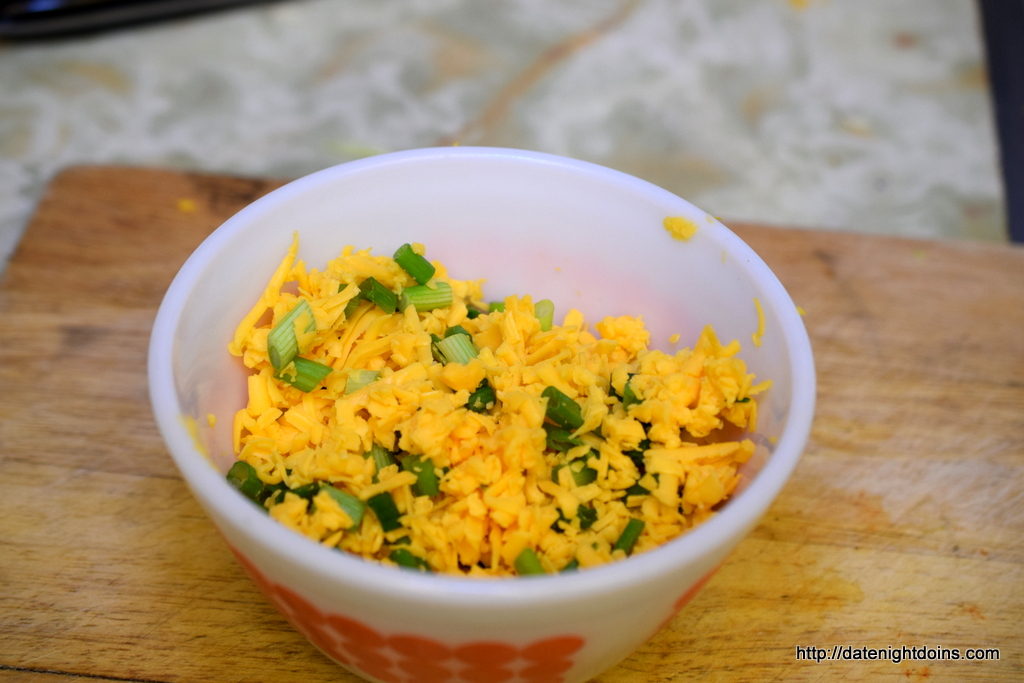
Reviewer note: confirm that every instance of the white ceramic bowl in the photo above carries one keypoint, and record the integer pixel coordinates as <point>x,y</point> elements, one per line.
<point>582,235</point>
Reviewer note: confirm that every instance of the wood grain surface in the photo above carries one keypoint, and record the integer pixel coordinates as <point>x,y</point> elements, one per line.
<point>902,525</point>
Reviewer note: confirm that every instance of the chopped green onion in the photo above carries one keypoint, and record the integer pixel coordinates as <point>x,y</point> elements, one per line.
<point>745,399</point>
<point>544,311</point>
<point>587,516</point>
<point>352,305</point>
<point>456,329</point>
<point>627,539</point>
<point>420,268</point>
<point>527,562</point>
<point>434,351</point>
<point>381,456</point>
<point>275,492</point>
<point>636,490</point>
<point>306,491</point>
<point>403,558</point>
<point>560,523</point>
<point>573,565</point>
<point>383,505</point>
<point>482,398</point>
<point>637,456</point>
<point>378,294</point>
<point>581,474</point>
<point>426,477</point>
<point>352,506</point>
<point>282,342</point>
<point>243,477</point>
<point>457,348</point>
<point>308,374</point>
<point>358,379</point>
<point>428,297</point>
<point>638,459</point>
<point>473,312</point>
<point>562,410</point>
<point>559,439</point>
<point>629,396</point>
<point>496,306</point>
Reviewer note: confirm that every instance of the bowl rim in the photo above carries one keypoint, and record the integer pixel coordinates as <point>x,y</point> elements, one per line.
<point>713,537</point>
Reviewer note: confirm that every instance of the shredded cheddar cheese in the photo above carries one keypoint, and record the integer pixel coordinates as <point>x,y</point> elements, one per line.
<point>660,436</point>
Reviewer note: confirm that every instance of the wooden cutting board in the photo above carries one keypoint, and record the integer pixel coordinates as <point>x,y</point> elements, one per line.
<point>902,526</point>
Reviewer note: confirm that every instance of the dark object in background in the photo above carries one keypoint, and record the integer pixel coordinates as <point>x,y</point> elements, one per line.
<point>1003,25</point>
<point>47,18</point>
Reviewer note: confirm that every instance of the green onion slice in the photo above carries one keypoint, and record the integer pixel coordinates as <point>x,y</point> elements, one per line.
<point>559,439</point>
<point>496,306</point>
<point>562,410</point>
<point>627,539</point>
<point>283,342</point>
<point>587,516</point>
<point>415,264</point>
<point>381,456</point>
<point>306,491</point>
<point>629,396</point>
<point>243,477</point>
<point>307,375</point>
<point>527,562</point>
<point>560,523</point>
<point>275,493</point>
<point>426,476</point>
<point>383,505</point>
<point>638,459</point>
<point>434,351</point>
<point>358,379</point>
<point>404,558</point>
<point>352,506</point>
<point>376,293</point>
<point>482,398</point>
<point>637,456</point>
<point>544,311</point>
<point>581,474</point>
<point>428,297</point>
<point>352,305</point>
<point>457,348</point>
<point>637,490</point>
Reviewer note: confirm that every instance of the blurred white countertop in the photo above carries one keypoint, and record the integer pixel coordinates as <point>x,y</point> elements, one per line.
<point>862,115</point>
